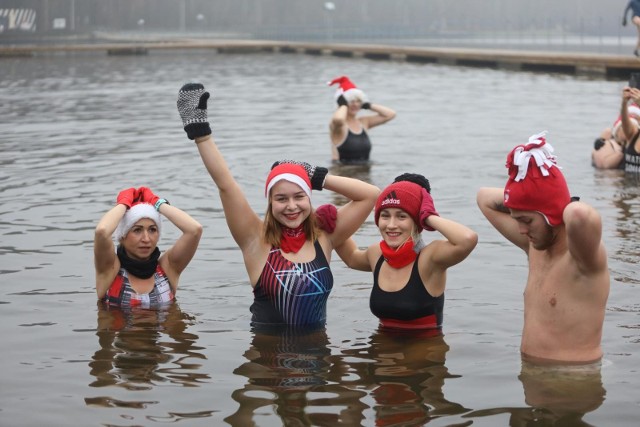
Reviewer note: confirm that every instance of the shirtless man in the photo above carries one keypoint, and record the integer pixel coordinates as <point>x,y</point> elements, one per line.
<point>568,282</point>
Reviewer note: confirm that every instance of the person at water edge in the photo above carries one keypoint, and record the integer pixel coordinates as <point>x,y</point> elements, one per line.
<point>568,280</point>
<point>631,131</point>
<point>348,130</point>
<point>137,274</point>
<point>287,253</point>
<point>634,7</point>
<point>409,276</point>
<point>608,150</point>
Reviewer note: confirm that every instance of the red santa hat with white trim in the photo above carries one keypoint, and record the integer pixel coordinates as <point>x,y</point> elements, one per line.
<point>348,89</point>
<point>288,172</point>
<point>137,212</point>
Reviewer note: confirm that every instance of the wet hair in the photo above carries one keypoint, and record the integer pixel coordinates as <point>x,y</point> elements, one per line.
<point>416,178</point>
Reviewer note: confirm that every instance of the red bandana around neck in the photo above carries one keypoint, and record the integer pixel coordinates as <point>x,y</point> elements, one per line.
<point>292,239</point>
<point>399,257</point>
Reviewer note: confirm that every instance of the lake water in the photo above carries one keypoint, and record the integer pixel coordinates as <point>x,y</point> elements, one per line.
<point>77,129</point>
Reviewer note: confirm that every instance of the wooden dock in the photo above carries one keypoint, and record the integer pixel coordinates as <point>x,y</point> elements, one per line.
<point>582,64</point>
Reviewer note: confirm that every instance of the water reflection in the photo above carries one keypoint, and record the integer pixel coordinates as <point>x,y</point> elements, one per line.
<point>357,171</point>
<point>627,200</point>
<point>557,395</point>
<point>287,370</point>
<point>142,349</point>
<point>405,372</point>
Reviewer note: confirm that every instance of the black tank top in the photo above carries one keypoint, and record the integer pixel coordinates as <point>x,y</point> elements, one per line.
<point>355,148</point>
<point>411,307</point>
<point>632,157</point>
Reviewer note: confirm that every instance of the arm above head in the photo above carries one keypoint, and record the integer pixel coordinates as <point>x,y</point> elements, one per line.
<point>180,254</point>
<point>384,114</point>
<point>491,204</point>
<point>353,257</point>
<point>461,240</point>
<point>584,236</point>
<point>351,216</point>
<point>243,222</point>
<point>635,130</point>
<point>628,127</point>
<point>338,125</point>
<point>104,254</point>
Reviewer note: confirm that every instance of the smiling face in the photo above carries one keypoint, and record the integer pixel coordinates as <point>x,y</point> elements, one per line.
<point>533,225</point>
<point>290,205</point>
<point>141,240</point>
<point>396,226</point>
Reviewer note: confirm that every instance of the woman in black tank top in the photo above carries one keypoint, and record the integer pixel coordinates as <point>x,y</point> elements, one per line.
<point>350,142</point>
<point>409,277</point>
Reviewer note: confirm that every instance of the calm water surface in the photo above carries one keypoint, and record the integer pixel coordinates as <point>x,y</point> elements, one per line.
<point>74,130</point>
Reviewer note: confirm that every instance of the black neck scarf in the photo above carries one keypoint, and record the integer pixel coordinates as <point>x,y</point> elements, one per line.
<point>141,269</point>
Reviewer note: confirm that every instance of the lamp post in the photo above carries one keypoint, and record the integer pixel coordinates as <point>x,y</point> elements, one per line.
<point>329,7</point>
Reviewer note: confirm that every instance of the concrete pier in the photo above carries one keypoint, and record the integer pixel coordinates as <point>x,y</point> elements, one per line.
<point>583,64</point>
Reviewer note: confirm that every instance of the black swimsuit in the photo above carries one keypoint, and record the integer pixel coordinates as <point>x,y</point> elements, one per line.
<point>412,307</point>
<point>355,148</point>
<point>632,157</point>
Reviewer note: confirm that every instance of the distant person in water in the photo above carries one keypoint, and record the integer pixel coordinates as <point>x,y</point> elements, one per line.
<point>609,150</point>
<point>286,253</point>
<point>409,277</point>
<point>568,281</point>
<point>634,7</point>
<point>350,143</point>
<point>630,95</point>
<point>137,274</point>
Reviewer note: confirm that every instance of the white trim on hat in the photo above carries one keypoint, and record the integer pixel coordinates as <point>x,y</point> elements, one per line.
<point>135,214</point>
<point>291,178</point>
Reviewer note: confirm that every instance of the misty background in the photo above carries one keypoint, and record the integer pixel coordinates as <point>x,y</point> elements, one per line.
<point>542,24</point>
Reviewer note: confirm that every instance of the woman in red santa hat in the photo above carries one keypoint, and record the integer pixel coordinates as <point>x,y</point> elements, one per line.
<point>348,131</point>
<point>137,275</point>
<point>286,254</point>
<point>409,277</point>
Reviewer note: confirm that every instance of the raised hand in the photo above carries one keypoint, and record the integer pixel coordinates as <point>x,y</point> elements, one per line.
<point>316,174</point>
<point>145,195</point>
<point>427,209</point>
<point>127,197</point>
<point>192,106</point>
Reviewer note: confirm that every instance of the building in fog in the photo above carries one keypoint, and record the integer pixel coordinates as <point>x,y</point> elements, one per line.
<point>310,19</point>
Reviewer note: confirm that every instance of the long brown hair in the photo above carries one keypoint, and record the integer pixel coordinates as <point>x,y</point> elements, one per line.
<point>272,229</point>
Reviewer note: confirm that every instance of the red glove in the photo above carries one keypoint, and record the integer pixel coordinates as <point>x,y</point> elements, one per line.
<point>147,196</point>
<point>127,197</point>
<point>327,215</point>
<point>427,209</point>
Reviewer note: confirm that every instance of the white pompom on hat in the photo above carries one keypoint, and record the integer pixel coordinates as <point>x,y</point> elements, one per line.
<point>135,214</point>
<point>535,181</point>
<point>348,89</point>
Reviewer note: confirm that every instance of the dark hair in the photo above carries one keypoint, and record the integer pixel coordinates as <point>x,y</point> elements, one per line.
<point>416,178</point>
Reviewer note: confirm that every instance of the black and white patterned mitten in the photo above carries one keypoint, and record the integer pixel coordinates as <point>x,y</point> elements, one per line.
<point>192,106</point>
<point>317,174</point>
